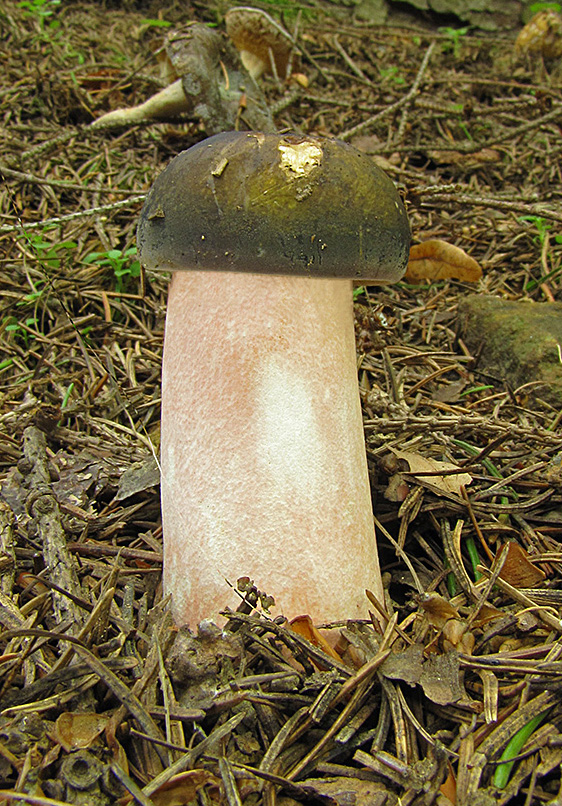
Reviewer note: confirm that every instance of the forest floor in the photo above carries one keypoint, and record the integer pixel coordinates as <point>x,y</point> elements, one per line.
<point>100,700</point>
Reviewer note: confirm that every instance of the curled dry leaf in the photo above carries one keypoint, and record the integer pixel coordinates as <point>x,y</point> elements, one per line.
<point>541,35</point>
<point>78,731</point>
<point>437,609</point>
<point>344,790</point>
<point>518,569</point>
<point>304,627</point>
<point>419,464</point>
<point>438,675</point>
<point>444,617</point>
<point>439,260</point>
<point>185,788</point>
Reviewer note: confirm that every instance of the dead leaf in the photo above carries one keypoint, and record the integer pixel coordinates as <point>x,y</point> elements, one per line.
<point>448,788</point>
<point>406,665</point>
<point>437,609</point>
<point>438,675</point>
<point>182,789</point>
<point>439,260</point>
<point>518,569</point>
<point>344,791</point>
<point>397,489</point>
<point>440,679</point>
<point>450,392</point>
<point>78,731</point>
<point>139,477</point>
<point>443,616</point>
<point>487,613</point>
<point>419,464</point>
<point>303,626</point>
<point>456,635</point>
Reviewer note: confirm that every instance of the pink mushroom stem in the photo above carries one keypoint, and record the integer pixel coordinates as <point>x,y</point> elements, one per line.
<point>264,470</point>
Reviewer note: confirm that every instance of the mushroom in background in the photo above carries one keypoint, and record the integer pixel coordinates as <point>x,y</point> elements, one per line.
<point>264,471</point>
<point>542,35</point>
<point>264,45</point>
<point>212,85</point>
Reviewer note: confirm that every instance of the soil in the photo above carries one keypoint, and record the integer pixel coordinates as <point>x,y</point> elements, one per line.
<point>101,699</point>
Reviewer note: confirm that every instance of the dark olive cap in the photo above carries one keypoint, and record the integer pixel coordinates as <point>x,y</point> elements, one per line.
<point>275,204</point>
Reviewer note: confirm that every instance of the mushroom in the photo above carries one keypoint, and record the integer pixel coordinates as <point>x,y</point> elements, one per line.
<point>264,46</point>
<point>541,35</point>
<point>264,469</point>
<point>211,84</point>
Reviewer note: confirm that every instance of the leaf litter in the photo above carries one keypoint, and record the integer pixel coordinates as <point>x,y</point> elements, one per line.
<point>454,692</point>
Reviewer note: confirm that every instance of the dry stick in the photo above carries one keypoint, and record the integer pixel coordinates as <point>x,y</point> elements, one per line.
<point>56,183</point>
<point>190,756</point>
<point>525,127</point>
<point>414,90</point>
<point>349,61</point>
<point>547,616</point>
<point>459,424</point>
<point>91,211</point>
<point>405,101</point>
<point>434,194</point>
<point>474,146</point>
<point>60,139</point>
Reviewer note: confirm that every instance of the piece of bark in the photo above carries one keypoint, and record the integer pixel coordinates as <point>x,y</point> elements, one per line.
<point>46,515</point>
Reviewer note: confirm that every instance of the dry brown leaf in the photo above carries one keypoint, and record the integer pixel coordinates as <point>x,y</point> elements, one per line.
<point>344,790</point>
<point>487,613</point>
<point>182,789</point>
<point>419,464</point>
<point>397,489</point>
<point>303,626</point>
<point>78,731</point>
<point>456,635</point>
<point>449,787</point>
<point>438,675</point>
<point>443,616</point>
<point>439,260</point>
<point>518,569</point>
<point>437,609</point>
<point>441,680</point>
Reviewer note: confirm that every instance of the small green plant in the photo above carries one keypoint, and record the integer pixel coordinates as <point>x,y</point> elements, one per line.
<point>153,23</point>
<point>534,8</point>
<point>542,225</point>
<point>122,263</point>
<point>19,329</point>
<point>392,74</point>
<point>453,40</point>
<point>26,318</point>
<point>42,11</point>
<point>513,748</point>
<point>49,254</point>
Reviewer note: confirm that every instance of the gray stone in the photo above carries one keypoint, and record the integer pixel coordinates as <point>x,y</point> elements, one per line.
<point>519,341</point>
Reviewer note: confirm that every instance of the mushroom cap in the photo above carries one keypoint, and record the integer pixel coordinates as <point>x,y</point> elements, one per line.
<point>275,204</point>
<point>254,32</point>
